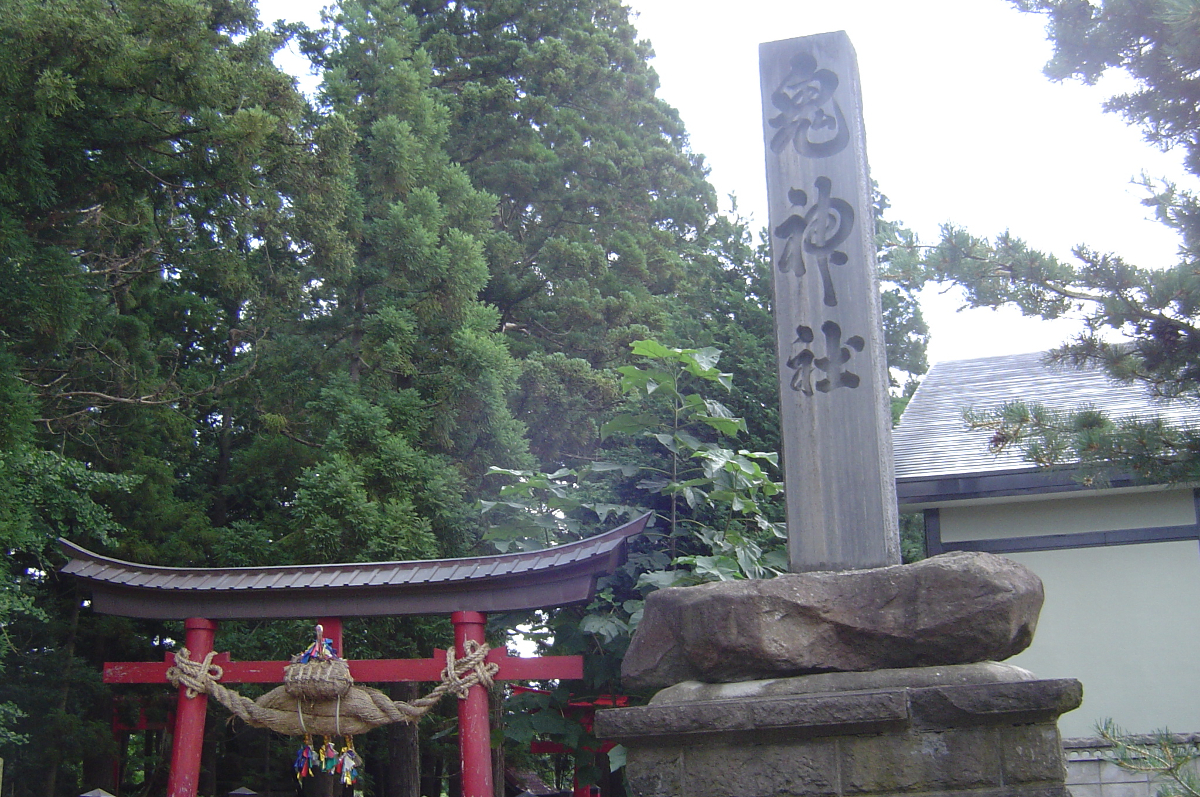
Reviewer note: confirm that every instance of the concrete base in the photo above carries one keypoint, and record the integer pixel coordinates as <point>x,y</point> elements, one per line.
<point>985,730</point>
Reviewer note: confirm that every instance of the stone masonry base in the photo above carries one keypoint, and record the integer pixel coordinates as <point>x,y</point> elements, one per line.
<point>986,730</point>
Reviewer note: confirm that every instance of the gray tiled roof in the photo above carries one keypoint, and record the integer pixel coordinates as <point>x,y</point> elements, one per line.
<point>506,582</point>
<point>932,439</point>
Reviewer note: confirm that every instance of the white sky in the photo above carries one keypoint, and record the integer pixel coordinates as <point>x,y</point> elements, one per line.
<point>961,127</point>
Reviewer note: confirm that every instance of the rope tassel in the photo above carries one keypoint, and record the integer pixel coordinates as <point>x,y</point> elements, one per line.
<point>305,759</point>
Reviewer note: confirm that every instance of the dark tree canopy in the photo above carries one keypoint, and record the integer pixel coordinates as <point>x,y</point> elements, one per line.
<point>242,326</point>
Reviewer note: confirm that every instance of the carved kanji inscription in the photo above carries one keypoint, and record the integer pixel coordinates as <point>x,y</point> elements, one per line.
<point>833,365</point>
<point>808,118</point>
<point>817,233</point>
<point>835,414</point>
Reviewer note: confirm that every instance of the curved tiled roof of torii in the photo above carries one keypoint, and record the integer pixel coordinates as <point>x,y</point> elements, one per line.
<point>554,576</point>
<point>932,440</point>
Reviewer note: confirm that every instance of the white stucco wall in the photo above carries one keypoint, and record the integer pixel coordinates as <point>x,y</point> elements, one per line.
<point>1124,620</point>
<point>1087,511</point>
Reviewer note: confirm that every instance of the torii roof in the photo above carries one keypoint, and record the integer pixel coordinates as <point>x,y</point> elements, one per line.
<point>938,456</point>
<point>508,582</point>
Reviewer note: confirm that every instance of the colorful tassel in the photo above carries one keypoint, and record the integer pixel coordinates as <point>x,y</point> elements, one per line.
<point>349,763</point>
<point>329,757</point>
<point>305,759</point>
<point>321,649</point>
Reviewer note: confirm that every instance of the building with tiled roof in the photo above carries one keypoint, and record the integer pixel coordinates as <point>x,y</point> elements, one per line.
<point>1120,565</point>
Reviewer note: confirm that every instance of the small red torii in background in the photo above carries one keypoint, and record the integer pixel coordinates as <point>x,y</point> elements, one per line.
<point>464,588</point>
<point>584,711</point>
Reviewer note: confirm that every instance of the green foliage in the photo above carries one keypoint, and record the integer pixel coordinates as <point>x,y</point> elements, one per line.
<point>1154,313</point>
<point>165,204</point>
<point>726,304</point>
<point>716,518</point>
<point>1148,447</point>
<point>703,493</point>
<point>700,473</point>
<point>906,335</point>
<point>1157,42</point>
<point>716,509</point>
<point>406,316</point>
<point>1169,763</point>
<point>242,328</point>
<point>43,496</point>
<point>912,537</point>
<point>558,715</point>
<point>601,207</point>
<point>553,111</point>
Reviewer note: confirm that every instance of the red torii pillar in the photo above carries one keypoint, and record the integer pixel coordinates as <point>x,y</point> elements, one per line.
<point>474,736</point>
<point>556,576</point>
<point>188,742</point>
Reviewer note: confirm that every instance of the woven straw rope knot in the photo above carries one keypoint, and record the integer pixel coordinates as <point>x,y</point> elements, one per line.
<point>318,680</point>
<point>472,666</point>
<point>293,710</point>
<point>195,675</point>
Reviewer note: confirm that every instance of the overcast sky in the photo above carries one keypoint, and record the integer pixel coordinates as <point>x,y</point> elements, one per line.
<point>962,127</point>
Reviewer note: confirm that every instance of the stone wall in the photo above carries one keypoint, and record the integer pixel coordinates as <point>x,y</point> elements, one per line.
<point>953,730</point>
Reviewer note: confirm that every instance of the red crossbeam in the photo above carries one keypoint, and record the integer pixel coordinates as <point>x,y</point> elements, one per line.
<point>512,668</point>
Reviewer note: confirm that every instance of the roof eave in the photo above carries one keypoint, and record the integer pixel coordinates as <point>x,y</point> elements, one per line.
<point>536,585</point>
<point>919,492</point>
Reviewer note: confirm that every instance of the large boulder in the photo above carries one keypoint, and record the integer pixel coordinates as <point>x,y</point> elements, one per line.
<point>956,608</point>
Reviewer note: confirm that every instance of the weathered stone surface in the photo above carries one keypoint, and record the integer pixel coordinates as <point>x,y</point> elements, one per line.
<point>958,759</point>
<point>956,608</point>
<point>1032,754</point>
<point>759,770</point>
<point>982,704</point>
<point>954,704</point>
<point>988,672</point>
<point>978,731</point>
<point>811,714</point>
<point>655,771</point>
<point>833,377</point>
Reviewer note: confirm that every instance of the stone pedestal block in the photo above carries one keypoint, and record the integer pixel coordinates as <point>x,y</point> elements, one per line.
<point>984,730</point>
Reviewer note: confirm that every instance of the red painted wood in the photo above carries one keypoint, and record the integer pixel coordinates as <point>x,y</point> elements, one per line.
<point>512,668</point>
<point>474,736</point>
<point>184,778</point>
<point>392,670</point>
<point>540,668</point>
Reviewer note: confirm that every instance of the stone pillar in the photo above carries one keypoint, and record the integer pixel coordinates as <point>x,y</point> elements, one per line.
<point>985,730</point>
<point>834,408</point>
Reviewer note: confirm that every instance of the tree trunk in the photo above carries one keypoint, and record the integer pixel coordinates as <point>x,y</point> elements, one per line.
<point>356,334</point>
<point>54,756</point>
<point>496,722</point>
<point>431,776</point>
<point>209,759</point>
<point>98,771</point>
<point>323,784</point>
<point>220,499</point>
<point>404,750</point>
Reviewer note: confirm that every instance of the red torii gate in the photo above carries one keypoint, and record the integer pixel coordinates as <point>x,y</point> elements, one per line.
<point>465,588</point>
